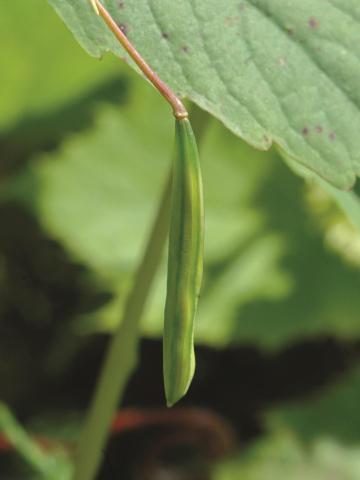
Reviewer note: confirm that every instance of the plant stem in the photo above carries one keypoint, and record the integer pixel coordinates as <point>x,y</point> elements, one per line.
<point>120,360</point>
<point>19,439</point>
<point>48,466</point>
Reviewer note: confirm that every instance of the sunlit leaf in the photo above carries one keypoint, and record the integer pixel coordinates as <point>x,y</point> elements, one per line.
<point>270,70</point>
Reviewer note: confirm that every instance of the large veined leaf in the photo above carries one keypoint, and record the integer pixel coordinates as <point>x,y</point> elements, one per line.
<point>265,262</point>
<point>270,70</point>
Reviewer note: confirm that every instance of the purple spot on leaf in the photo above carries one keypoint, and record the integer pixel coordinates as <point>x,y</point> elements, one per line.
<point>332,136</point>
<point>318,129</point>
<point>305,131</point>
<point>313,22</point>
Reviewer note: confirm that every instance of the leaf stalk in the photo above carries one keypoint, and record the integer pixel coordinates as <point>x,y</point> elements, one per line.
<point>177,105</point>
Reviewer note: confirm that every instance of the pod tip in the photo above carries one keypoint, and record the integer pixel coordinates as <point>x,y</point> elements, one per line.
<point>173,396</point>
<point>170,402</point>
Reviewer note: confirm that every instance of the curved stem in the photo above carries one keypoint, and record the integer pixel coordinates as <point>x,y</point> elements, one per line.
<point>121,356</point>
<point>178,107</point>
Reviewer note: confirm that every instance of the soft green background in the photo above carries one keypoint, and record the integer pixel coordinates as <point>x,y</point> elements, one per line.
<point>282,261</point>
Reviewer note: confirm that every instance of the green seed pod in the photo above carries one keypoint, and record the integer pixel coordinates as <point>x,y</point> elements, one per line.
<point>185,265</point>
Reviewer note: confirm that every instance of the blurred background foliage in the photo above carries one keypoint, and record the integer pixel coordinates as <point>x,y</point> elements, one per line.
<point>85,148</point>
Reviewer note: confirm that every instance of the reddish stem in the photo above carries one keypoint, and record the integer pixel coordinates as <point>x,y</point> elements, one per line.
<point>178,107</point>
<point>133,419</point>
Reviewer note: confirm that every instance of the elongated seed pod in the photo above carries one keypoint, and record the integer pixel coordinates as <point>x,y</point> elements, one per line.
<point>185,265</point>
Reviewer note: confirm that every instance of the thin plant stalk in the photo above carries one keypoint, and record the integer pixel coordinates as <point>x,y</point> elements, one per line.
<point>121,356</point>
<point>47,466</point>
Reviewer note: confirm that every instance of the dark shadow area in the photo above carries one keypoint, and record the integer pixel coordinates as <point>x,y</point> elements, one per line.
<point>236,384</point>
<point>45,132</point>
<point>47,369</point>
<point>41,290</point>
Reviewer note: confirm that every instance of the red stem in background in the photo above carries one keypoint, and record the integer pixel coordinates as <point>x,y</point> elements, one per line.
<point>195,419</point>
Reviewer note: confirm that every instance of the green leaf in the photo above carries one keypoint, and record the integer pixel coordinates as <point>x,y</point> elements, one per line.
<point>317,438</point>
<point>282,456</point>
<point>333,413</point>
<point>271,71</point>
